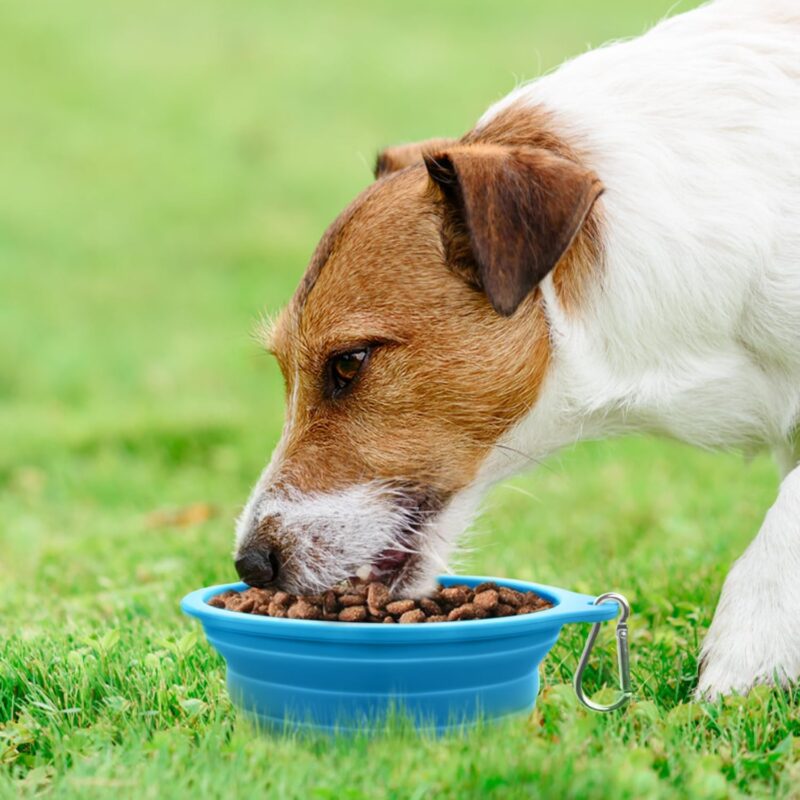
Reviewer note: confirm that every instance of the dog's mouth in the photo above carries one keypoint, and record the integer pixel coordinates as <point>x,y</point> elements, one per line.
<point>398,565</point>
<point>390,566</point>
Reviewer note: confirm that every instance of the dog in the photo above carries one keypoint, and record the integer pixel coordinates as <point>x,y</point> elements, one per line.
<point>613,248</point>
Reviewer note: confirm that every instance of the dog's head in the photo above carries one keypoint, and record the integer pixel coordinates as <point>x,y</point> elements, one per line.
<point>415,340</point>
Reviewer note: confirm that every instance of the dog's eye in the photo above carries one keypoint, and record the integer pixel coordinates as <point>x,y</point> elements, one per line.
<point>345,367</point>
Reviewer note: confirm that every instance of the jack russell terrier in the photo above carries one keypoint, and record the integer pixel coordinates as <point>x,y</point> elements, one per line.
<point>613,248</point>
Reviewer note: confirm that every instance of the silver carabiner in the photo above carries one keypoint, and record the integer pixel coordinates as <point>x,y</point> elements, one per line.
<point>623,657</point>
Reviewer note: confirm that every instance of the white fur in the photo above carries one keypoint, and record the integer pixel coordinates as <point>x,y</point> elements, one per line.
<point>694,328</point>
<point>331,534</point>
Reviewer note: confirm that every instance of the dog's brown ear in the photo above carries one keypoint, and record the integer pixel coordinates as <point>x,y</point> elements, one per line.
<point>404,155</point>
<point>509,214</point>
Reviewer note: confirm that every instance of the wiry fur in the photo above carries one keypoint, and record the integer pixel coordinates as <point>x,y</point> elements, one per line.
<point>680,317</point>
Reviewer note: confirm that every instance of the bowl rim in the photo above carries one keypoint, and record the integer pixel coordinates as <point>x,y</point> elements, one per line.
<point>567,607</point>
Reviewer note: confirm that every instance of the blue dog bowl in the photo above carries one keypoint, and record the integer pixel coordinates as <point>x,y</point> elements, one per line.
<point>344,676</point>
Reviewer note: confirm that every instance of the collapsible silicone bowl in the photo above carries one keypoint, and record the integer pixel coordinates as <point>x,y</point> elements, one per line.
<point>345,676</point>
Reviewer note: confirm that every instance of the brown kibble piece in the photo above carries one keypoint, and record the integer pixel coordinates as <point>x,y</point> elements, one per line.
<point>510,597</point>
<point>351,600</point>
<point>465,611</point>
<point>303,610</point>
<point>388,618</point>
<point>283,599</point>
<point>502,610</point>
<point>397,607</point>
<point>276,609</point>
<point>437,618</point>
<point>245,605</point>
<point>454,595</point>
<point>217,601</point>
<point>330,602</point>
<point>377,596</point>
<point>415,615</point>
<point>353,614</point>
<point>487,599</point>
<point>485,586</point>
<point>430,607</point>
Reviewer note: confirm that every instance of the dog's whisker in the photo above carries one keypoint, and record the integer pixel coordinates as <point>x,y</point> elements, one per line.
<point>519,490</point>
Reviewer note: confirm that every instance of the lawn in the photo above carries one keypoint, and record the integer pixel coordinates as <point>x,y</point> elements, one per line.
<point>166,169</point>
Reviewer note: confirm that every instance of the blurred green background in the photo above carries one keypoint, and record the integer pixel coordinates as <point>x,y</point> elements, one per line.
<point>165,172</point>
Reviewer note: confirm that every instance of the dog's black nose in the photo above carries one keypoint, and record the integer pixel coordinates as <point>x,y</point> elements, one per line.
<point>257,566</point>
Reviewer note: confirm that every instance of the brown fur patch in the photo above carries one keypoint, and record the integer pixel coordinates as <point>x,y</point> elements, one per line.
<point>448,378</point>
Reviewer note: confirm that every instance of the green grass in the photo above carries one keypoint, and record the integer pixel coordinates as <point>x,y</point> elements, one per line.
<point>166,169</point>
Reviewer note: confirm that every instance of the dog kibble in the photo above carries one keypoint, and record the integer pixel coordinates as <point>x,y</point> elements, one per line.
<point>372,603</point>
<point>353,614</point>
<point>430,607</point>
<point>510,597</point>
<point>486,600</point>
<point>246,605</point>
<point>351,600</point>
<point>377,597</point>
<point>273,610</point>
<point>282,599</point>
<point>303,610</point>
<point>415,615</point>
<point>455,595</point>
<point>399,607</point>
<point>330,602</point>
<point>465,611</point>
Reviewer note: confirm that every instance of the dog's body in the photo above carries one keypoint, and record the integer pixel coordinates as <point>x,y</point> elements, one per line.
<point>670,305</point>
<point>694,329</point>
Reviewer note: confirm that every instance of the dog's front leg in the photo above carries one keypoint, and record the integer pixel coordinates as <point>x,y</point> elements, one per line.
<point>755,635</point>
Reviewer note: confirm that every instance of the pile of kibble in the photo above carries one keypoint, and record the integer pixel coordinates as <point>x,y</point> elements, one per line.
<point>372,602</point>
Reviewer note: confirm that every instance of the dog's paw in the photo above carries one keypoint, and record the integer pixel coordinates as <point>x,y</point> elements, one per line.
<point>753,640</point>
<point>728,673</point>
<point>755,637</point>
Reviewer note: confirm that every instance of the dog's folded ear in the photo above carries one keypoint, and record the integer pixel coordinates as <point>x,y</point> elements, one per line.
<point>405,155</point>
<point>509,214</point>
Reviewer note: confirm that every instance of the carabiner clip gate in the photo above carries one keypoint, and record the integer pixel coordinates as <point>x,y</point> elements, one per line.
<point>623,657</point>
